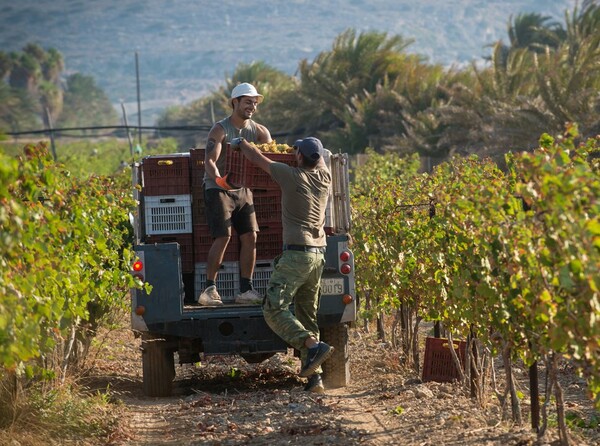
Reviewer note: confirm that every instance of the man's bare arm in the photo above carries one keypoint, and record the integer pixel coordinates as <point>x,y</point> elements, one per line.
<point>213,150</point>
<point>255,156</point>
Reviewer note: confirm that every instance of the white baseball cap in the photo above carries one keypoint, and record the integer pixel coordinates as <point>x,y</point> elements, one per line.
<point>246,89</point>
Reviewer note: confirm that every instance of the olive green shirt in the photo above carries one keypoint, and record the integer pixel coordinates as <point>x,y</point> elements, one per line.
<point>303,202</point>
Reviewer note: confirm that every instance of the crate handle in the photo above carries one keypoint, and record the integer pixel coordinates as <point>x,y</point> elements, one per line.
<point>165,162</point>
<point>167,200</point>
<point>446,345</point>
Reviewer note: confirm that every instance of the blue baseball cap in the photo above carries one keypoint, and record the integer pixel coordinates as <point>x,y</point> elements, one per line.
<point>310,147</point>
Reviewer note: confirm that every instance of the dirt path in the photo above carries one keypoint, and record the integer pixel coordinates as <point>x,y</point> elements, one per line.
<point>224,401</point>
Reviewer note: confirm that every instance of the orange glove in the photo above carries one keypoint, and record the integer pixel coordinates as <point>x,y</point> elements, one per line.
<point>222,182</point>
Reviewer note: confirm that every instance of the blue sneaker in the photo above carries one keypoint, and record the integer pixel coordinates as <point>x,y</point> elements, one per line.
<point>317,355</point>
<point>315,384</point>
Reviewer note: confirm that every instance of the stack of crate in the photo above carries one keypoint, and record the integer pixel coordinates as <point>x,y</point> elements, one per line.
<point>167,203</point>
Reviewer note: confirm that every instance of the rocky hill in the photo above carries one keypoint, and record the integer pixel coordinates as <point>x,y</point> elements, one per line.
<point>187,47</point>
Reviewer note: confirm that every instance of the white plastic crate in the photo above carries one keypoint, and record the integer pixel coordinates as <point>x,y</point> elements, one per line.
<point>228,280</point>
<point>168,214</point>
<point>262,274</point>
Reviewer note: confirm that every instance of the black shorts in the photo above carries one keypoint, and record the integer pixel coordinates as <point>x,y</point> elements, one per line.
<point>226,209</point>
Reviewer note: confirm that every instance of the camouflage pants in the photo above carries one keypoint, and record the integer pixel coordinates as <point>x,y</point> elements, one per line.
<point>296,279</point>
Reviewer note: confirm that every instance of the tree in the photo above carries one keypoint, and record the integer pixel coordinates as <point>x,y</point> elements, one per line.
<point>337,81</point>
<point>269,81</point>
<point>85,104</point>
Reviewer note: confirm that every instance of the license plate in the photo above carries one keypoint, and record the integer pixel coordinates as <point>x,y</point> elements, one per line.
<point>332,286</point>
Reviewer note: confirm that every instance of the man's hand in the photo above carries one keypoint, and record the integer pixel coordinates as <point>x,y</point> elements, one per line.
<point>223,183</point>
<point>235,143</point>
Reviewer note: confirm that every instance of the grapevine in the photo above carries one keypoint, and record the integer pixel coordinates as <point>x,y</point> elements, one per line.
<point>512,257</point>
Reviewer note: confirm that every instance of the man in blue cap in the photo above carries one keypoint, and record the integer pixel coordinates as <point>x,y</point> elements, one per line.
<point>297,275</point>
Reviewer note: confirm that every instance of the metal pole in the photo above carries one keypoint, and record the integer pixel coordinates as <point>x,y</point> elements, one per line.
<point>52,144</point>
<point>127,130</point>
<point>137,78</point>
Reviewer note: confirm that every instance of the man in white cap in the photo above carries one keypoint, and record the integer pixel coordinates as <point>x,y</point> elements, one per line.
<point>297,275</point>
<point>228,205</point>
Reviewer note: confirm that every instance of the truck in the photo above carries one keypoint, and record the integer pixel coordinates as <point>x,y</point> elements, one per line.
<point>171,243</point>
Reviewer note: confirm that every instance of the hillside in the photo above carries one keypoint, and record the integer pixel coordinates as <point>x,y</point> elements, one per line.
<point>188,47</point>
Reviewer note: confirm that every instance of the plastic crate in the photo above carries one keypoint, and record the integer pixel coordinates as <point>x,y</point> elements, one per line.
<point>168,214</point>
<point>198,207</point>
<point>234,167</point>
<point>269,241</point>
<point>262,275</point>
<point>255,177</point>
<point>438,364</point>
<point>203,241</point>
<point>244,173</point>
<point>197,166</point>
<point>186,248</point>
<point>228,280</point>
<point>267,205</point>
<point>166,174</point>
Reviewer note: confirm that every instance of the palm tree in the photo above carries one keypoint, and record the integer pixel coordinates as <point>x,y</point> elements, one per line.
<point>534,32</point>
<point>336,82</point>
<point>25,73</point>
<point>53,66</point>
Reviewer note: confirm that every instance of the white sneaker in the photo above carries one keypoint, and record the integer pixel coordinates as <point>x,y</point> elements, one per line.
<point>250,297</point>
<point>210,297</point>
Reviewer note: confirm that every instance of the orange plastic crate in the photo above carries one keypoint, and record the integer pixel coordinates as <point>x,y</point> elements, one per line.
<point>438,364</point>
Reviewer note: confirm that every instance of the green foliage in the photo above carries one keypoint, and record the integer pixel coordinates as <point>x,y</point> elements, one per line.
<point>65,255</point>
<point>98,157</point>
<point>514,255</point>
<point>85,104</point>
<point>34,80</point>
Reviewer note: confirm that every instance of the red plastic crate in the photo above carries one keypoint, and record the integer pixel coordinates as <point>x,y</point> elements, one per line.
<point>269,241</point>
<point>203,241</point>
<point>243,173</point>
<point>267,205</point>
<point>197,166</point>
<point>166,174</point>
<point>438,364</point>
<point>255,177</point>
<point>198,207</point>
<point>234,167</point>
<point>186,248</point>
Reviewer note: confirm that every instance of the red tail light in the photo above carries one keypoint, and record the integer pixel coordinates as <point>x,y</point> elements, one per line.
<point>346,268</point>
<point>344,256</point>
<point>138,270</point>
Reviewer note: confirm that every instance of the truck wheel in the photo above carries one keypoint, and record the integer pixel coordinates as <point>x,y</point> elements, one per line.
<point>336,370</point>
<point>158,366</point>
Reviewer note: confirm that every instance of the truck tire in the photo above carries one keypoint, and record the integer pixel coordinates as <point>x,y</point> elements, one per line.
<point>158,366</point>
<point>336,370</point>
